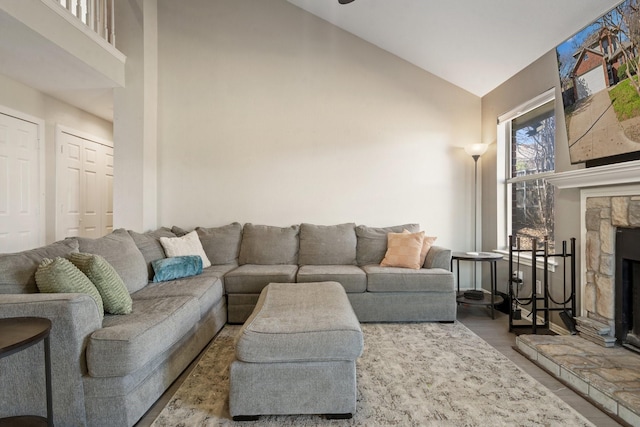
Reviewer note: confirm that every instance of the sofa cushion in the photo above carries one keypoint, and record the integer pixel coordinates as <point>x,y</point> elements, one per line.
<point>179,231</point>
<point>221,244</point>
<point>403,250</point>
<point>251,278</point>
<point>149,245</point>
<point>112,289</point>
<point>351,277</point>
<point>178,267</point>
<point>327,244</point>
<point>60,276</point>
<point>220,271</point>
<point>206,288</point>
<point>189,244</point>
<point>372,241</point>
<point>18,270</point>
<point>126,343</point>
<point>268,245</point>
<point>119,249</point>
<point>396,279</point>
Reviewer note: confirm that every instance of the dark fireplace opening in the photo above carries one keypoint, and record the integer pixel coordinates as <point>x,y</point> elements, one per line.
<point>627,287</point>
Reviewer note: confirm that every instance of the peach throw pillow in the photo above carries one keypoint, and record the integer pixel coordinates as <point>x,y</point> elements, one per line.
<point>403,250</point>
<point>426,245</point>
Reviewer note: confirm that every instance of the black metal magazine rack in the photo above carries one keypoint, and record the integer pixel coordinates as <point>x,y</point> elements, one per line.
<point>541,303</point>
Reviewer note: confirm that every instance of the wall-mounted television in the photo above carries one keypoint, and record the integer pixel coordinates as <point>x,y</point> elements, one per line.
<point>599,69</point>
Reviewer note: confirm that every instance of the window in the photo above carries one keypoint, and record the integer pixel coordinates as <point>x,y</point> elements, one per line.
<point>526,137</point>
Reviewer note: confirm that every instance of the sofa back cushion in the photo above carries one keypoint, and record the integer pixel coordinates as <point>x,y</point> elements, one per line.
<point>18,270</point>
<point>268,245</point>
<point>328,244</point>
<point>149,245</point>
<point>372,241</point>
<point>221,244</point>
<point>179,231</point>
<point>119,250</point>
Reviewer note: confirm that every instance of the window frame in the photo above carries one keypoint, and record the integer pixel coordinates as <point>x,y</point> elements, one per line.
<point>504,180</point>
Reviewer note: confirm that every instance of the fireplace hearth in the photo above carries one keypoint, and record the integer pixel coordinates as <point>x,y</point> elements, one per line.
<point>627,287</point>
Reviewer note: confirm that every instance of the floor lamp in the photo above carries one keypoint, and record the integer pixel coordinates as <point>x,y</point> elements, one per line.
<point>475,151</point>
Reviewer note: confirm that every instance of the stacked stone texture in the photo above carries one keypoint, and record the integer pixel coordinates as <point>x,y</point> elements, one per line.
<point>603,216</point>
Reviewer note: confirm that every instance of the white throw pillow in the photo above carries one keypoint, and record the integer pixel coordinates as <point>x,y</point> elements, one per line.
<point>189,244</point>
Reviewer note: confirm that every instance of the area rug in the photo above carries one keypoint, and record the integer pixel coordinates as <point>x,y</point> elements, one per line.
<point>410,374</point>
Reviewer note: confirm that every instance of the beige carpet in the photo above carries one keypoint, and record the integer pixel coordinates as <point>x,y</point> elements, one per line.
<point>415,374</point>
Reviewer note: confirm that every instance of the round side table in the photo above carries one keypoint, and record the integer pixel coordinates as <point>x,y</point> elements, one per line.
<point>20,333</point>
<point>490,257</point>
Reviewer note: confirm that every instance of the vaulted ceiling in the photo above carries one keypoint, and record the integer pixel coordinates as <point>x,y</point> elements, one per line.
<point>474,44</point>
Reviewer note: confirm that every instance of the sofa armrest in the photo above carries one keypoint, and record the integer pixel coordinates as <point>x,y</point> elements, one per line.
<point>74,317</point>
<point>438,257</point>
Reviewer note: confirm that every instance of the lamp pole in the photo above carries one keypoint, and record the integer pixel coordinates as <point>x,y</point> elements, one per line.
<point>475,201</point>
<point>475,151</point>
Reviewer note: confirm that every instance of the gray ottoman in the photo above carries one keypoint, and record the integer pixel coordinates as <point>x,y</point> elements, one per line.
<point>296,354</point>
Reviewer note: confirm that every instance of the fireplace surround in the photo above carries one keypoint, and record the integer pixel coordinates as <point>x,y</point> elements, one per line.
<point>603,216</point>
<point>609,200</point>
<point>611,226</point>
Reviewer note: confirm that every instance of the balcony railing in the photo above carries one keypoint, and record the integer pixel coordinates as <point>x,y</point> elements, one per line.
<point>96,15</point>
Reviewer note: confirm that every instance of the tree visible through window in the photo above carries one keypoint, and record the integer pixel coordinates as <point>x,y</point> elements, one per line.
<point>532,155</point>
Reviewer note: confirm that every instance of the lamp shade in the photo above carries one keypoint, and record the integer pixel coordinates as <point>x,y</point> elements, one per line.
<point>476,149</point>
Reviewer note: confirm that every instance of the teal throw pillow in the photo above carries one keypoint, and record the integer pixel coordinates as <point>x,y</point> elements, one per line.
<point>112,289</point>
<point>176,267</point>
<point>59,275</point>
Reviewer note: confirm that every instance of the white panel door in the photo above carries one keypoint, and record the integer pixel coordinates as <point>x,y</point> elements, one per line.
<point>91,191</point>
<point>20,221</point>
<point>85,185</point>
<point>70,180</point>
<point>107,191</point>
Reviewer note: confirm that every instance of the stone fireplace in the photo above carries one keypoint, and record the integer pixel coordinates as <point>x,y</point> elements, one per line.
<point>609,205</point>
<point>602,217</point>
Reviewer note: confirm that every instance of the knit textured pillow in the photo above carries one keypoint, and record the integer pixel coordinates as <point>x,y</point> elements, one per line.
<point>112,289</point>
<point>189,244</point>
<point>59,275</point>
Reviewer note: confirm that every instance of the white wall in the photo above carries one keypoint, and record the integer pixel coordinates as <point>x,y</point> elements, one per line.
<point>270,115</point>
<point>135,121</point>
<point>27,100</point>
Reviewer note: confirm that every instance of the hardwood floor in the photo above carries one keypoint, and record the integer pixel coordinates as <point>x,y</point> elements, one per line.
<point>496,333</point>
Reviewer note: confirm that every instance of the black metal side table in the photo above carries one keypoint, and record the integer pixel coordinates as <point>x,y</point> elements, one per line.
<point>20,333</point>
<point>490,257</point>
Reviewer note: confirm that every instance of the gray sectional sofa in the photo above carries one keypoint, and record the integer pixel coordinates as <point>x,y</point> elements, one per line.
<point>109,371</point>
<point>347,254</point>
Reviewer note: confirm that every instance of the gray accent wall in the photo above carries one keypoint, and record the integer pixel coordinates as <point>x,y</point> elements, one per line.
<point>527,84</point>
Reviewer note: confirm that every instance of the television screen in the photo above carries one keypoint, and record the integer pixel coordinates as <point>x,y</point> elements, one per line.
<point>598,69</point>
